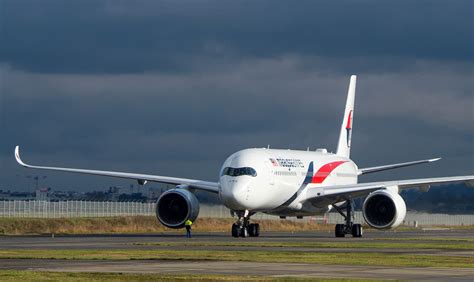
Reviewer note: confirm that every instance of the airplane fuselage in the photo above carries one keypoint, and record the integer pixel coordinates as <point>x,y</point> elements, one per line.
<point>271,181</point>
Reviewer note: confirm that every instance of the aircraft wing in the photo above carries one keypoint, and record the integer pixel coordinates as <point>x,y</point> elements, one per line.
<point>141,178</point>
<point>345,192</point>
<point>393,166</point>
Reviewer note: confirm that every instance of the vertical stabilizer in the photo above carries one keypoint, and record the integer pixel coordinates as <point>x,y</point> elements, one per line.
<point>344,144</point>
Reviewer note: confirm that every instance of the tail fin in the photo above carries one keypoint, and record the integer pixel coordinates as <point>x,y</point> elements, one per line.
<point>344,144</point>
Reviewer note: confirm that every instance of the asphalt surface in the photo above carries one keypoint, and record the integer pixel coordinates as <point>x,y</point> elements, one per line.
<point>137,242</point>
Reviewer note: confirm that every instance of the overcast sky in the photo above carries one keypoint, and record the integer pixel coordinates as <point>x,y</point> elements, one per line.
<point>174,87</point>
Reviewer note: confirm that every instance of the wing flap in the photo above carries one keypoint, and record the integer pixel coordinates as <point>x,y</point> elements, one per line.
<point>141,178</point>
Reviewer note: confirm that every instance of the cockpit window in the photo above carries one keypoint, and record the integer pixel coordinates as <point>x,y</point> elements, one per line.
<point>230,171</point>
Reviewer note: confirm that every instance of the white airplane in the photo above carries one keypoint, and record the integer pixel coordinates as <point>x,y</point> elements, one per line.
<point>287,183</point>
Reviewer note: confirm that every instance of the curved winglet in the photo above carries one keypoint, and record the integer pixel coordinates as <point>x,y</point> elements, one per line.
<point>17,156</point>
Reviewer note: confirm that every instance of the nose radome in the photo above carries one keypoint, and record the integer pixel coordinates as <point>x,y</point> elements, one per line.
<point>239,194</point>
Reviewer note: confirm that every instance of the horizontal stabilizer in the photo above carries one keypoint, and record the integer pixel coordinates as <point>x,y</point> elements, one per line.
<point>393,166</point>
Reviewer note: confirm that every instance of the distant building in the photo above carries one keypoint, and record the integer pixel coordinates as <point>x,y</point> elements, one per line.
<point>42,194</point>
<point>4,195</point>
<point>154,193</point>
<point>21,196</point>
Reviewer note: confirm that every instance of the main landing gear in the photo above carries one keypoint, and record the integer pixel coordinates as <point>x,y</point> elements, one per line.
<point>349,227</point>
<point>243,227</point>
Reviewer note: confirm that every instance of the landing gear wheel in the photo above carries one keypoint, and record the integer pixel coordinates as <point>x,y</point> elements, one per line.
<point>340,230</point>
<point>235,230</point>
<point>357,230</point>
<point>349,227</point>
<point>243,227</point>
<point>254,229</point>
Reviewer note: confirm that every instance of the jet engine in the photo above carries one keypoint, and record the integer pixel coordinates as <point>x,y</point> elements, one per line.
<point>176,206</point>
<point>384,209</point>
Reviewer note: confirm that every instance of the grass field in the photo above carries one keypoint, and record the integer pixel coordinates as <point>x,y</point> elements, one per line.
<point>146,224</point>
<point>137,224</point>
<point>11,275</point>
<point>380,259</point>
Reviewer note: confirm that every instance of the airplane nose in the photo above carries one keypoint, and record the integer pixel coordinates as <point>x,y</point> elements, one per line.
<point>236,194</point>
<point>240,195</point>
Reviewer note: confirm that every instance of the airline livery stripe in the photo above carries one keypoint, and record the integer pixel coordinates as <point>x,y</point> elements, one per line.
<point>348,126</point>
<point>324,171</point>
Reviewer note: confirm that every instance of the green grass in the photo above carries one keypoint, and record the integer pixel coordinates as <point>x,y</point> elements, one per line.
<point>380,259</point>
<point>436,239</point>
<point>12,275</point>
<point>448,245</point>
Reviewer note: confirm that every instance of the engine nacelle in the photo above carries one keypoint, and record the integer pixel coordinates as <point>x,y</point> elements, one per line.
<point>384,209</point>
<point>176,206</point>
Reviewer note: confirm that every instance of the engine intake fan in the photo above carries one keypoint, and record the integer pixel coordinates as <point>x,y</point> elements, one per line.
<point>176,206</point>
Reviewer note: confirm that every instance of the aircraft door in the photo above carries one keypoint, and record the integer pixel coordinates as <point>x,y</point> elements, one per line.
<point>271,170</point>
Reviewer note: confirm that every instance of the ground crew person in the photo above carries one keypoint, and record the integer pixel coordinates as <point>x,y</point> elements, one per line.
<point>188,224</point>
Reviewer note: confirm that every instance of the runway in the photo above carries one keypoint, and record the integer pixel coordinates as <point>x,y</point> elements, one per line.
<point>223,242</point>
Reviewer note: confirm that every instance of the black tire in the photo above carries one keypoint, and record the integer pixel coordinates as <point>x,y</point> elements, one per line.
<point>252,230</point>
<point>340,230</point>
<point>357,230</point>
<point>235,230</point>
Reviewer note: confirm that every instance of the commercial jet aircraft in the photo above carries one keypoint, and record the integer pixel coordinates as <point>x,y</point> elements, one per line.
<point>288,183</point>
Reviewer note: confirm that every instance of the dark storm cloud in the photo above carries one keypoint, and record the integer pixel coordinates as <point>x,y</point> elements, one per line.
<point>173,88</point>
<point>170,36</point>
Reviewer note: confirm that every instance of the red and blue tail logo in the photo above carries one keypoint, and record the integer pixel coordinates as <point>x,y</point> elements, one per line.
<point>349,129</point>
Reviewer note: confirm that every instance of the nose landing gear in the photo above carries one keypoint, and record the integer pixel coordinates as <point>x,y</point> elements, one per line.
<point>243,227</point>
<point>349,227</point>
